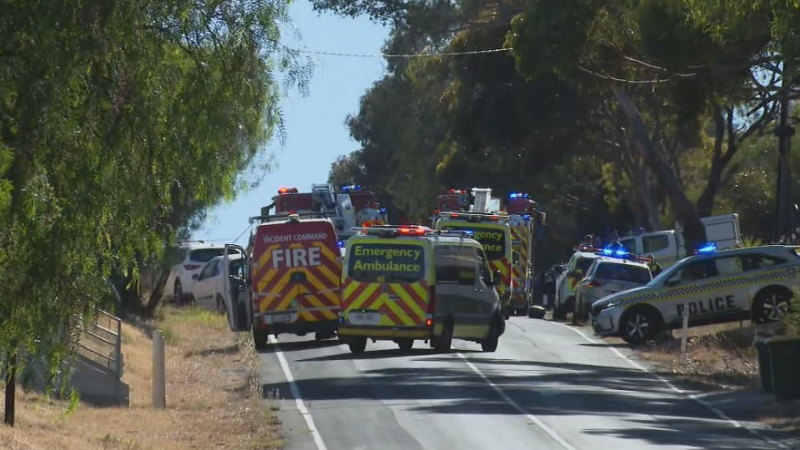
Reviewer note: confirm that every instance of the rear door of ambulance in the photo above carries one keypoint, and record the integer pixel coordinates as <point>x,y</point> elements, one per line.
<point>386,283</point>
<point>296,271</point>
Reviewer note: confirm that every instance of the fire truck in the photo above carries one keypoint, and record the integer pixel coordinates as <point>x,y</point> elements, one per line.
<point>292,264</point>
<point>519,214</point>
<point>348,207</point>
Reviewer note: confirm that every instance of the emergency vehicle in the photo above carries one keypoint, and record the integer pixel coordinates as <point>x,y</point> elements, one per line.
<point>291,281</point>
<point>406,283</point>
<point>459,209</point>
<point>754,283</point>
<point>348,207</point>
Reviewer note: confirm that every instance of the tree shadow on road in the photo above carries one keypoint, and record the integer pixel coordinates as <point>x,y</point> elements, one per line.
<point>635,404</point>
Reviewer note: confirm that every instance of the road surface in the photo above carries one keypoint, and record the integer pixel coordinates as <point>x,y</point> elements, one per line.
<point>546,387</point>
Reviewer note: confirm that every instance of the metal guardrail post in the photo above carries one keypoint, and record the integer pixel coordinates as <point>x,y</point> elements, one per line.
<point>118,350</point>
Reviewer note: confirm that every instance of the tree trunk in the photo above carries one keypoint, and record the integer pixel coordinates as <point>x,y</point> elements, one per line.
<point>11,387</point>
<point>157,294</point>
<point>695,233</point>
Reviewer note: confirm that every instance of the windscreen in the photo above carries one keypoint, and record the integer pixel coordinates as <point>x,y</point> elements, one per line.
<point>623,272</point>
<point>583,264</point>
<point>386,263</point>
<point>493,240</point>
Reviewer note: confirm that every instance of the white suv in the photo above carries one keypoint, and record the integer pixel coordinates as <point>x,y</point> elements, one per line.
<point>192,257</point>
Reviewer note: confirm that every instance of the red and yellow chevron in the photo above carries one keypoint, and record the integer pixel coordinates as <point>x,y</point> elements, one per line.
<point>310,291</point>
<point>503,266</point>
<point>400,304</point>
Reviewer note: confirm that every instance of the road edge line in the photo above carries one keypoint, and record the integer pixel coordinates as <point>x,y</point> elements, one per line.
<point>295,390</point>
<point>677,390</point>
<point>550,432</point>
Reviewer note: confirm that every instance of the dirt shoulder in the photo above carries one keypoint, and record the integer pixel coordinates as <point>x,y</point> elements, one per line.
<point>213,396</point>
<point>720,358</point>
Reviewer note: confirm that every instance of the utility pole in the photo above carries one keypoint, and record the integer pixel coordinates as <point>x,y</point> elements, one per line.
<point>784,131</point>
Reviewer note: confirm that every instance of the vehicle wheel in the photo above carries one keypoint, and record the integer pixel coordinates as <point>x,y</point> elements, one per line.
<point>638,326</point>
<point>405,345</point>
<point>178,293</point>
<point>770,306</point>
<point>221,309</point>
<point>490,343</point>
<point>536,312</point>
<point>260,339</point>
<point>357,344</point>
<point>442,343</point>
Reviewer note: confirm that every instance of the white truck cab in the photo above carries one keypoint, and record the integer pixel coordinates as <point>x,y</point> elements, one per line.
<point>667,246</point>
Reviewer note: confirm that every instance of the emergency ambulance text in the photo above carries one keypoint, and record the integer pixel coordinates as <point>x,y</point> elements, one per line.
<point>376,262</point>
<point>709,305</point>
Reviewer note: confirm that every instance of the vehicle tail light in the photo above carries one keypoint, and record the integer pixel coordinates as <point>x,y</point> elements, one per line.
<point>595,284</point>
<point>191,266</point>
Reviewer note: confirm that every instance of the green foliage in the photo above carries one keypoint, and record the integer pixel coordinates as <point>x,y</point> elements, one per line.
<point>120,124</point>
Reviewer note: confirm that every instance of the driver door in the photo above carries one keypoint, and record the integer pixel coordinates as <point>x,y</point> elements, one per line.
<point>236,292</point>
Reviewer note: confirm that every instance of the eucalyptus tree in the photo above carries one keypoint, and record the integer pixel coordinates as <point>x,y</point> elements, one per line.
<point>119,123</point>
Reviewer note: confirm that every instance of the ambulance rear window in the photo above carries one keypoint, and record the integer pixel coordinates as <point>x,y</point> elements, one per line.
<point>386,263</point>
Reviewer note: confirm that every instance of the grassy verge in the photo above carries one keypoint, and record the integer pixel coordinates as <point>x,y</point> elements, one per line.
<point>719,357</point>
<point>213,396</point>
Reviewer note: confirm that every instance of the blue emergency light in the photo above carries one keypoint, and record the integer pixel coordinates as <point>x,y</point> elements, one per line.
<point>527,217</point>
<point>341,244</point>
<point>516,195</point>
<point>383,210</point>
<point>610,251</point>
<point>351,187</point>
<point>707,249</point>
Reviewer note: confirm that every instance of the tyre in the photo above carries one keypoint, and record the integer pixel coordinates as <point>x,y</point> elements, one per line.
<point>220,305</point>
<point>357,344</point>
<point>638,326</point>
<point>770,306</point>
<point>560,312</point>
<point>490,343</point>
<point>260,339</point>
<point>178,293</point>
<point>442,343</point>
<point>405,345</point>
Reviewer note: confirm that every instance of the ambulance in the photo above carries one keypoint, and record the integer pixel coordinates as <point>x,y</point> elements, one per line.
<point>292,279</point>
<point>407,283</point>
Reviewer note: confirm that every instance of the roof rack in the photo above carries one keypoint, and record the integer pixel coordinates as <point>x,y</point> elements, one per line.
<point>472,216</point>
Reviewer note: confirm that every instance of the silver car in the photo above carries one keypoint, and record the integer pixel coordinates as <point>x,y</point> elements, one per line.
<point>608,276</point>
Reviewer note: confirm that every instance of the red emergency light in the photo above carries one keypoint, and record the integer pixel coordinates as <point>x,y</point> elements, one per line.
<point>412,230</point>
<point>285,190</point>
<point>457,191</point>
<point>455,215</point>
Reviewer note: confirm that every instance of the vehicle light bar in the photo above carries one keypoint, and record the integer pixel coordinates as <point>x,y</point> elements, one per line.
<point>285,190</point>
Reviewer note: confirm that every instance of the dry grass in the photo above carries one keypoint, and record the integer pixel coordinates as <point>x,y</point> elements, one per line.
<point>213,400</point>
<point>718,356</point>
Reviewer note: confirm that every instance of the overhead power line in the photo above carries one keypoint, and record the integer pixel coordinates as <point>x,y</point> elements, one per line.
<point>400,55</point>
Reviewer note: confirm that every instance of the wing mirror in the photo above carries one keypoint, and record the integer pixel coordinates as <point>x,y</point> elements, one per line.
<point>673,282</point>
<point>196,276</point>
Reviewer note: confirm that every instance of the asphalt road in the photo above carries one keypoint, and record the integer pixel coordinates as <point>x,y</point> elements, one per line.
<point>546,387</point>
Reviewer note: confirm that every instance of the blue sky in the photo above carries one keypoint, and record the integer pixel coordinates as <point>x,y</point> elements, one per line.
<point>315,129</point>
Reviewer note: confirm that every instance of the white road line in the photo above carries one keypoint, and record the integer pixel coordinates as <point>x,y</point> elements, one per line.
<point>516,405</point>
<point>695,397</point>
<point>296,394</point>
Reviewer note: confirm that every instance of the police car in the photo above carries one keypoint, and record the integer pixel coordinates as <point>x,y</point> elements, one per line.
<point>753,283</point>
